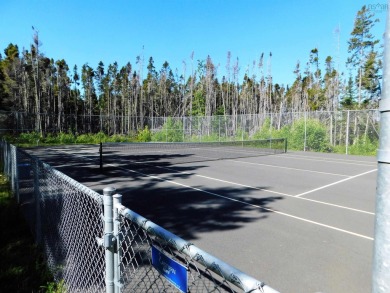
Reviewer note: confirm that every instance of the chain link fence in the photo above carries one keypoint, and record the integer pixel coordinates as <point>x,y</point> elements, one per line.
<point>338,131</point>
<point>317,131</point>
<point>95,244</point>
<point>63,215</point>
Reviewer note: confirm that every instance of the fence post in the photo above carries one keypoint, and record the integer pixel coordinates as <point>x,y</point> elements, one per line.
<point>15,173</point>
<point>101,156</point>
<point>117,253</point>
<point>108,239</point>
<point>38,227</point>
<point>305,139</point>
<point>219,128</point>
<point>347,134</point>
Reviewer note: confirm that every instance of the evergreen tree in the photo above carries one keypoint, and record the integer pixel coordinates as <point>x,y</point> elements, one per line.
<point>371,76</point>
<point>349,99</point>
<point>361,44</point>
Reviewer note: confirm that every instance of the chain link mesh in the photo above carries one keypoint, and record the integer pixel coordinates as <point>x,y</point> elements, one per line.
<point>344,127</point>
<point>64,217</point>
<point>205,272</point>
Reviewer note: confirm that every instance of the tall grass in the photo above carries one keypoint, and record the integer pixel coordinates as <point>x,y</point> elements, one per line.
<point>22,265</point>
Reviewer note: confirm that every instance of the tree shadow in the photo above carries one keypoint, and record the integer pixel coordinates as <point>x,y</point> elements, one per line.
<point>166,193</point>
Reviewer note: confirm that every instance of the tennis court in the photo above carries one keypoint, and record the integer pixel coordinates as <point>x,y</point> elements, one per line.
<point>299,221</point>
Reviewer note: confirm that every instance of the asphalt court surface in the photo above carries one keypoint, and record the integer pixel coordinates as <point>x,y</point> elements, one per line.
<point>300,221</point>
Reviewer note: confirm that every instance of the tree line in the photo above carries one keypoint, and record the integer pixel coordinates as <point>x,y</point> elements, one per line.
<point>50,93</point>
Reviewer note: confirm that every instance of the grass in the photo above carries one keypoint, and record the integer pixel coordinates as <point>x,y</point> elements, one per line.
<point>22,266</point>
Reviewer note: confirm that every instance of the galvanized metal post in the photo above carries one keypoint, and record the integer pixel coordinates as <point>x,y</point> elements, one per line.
<point>37,197</point>
<point>219,128</point>
<point>15,173</point>
<point>108,240</point>
<point>381,262</point>
<point>347,134</point>
<point>305,138</point>
<point>117,253</point>
<point>101,156</point>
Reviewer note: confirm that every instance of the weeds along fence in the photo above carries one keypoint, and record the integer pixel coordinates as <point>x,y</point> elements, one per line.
<point>340,131</point>
<point>95,244</point>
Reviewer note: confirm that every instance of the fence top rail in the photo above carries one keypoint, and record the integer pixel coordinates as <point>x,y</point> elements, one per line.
<point>77,185</point>
<point>226,271</point>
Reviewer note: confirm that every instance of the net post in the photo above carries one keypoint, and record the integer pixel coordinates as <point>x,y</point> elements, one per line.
<point>285,145</point>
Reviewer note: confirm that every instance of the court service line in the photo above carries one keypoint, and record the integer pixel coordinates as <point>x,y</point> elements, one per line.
<point>243,202</point>
<point>270,191</point>
<point>244,185</point>
<point>249,204</point>
<point>334,183</point>
<point>289,168</point>
<point>319,159</point>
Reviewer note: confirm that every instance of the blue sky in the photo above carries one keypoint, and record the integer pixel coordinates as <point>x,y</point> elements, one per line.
<point>170,30</point>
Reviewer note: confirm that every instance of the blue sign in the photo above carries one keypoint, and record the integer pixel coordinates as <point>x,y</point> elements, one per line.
<point>173,271</point>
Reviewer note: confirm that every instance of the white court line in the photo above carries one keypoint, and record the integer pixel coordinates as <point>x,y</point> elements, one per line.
<point>289,168</point>
<point>245,203</point>
<point>246,186</point>
<point>334,183</point>
<point>270,191</point>
<point>337,161</point>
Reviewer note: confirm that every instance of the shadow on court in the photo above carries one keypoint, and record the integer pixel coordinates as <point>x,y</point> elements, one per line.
<point>182,210</point>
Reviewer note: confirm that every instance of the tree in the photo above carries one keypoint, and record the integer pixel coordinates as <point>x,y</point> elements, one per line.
<point>75,95</point>
<point>9,76</point>
<point>371,76</point>
<point>35,57</point>
<point>331,85</point>
<point>87,75</point>
<point>63,83</point>
<point>349,100</point>
<point>361,43</point>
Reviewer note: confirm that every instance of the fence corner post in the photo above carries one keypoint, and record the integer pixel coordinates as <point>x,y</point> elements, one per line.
<point>108,239</point>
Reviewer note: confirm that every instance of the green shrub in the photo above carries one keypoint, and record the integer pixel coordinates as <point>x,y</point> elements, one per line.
<point>50,139</point>
<point>85,138</point>
<point>144,135</point>
<point>66,138</point>
<point>29,137</point>
<point>241,134</point>
<point>117,138</point>
<point>172,131</point>
<point>361,146</point>
<point>208,138</point>
<point>266,131</point>
<point>316,136</point>
<point>53,287</point>
<point>100,137</point>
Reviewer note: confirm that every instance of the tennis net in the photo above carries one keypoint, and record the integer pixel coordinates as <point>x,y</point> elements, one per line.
<point>171,153</point>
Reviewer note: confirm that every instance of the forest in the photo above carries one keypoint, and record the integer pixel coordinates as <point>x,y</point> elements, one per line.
<point>50,96</point>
